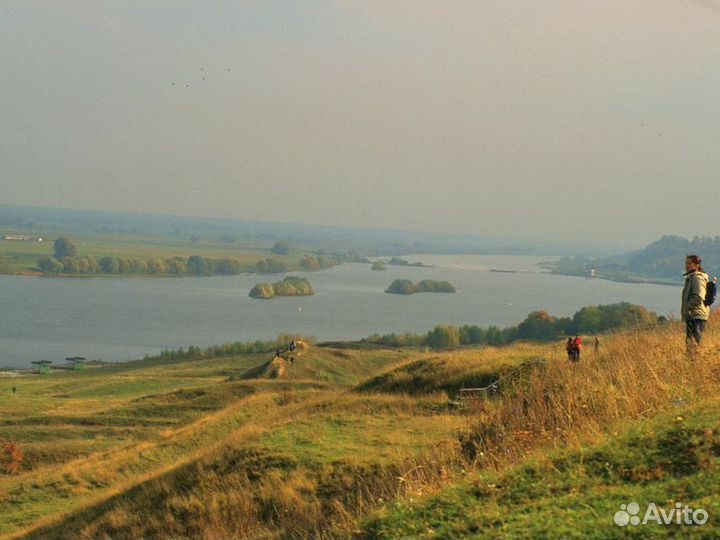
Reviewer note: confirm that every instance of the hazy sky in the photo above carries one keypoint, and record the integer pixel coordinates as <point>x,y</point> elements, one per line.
<point>575,119</point>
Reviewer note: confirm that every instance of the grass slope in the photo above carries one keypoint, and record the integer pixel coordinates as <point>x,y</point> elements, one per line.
<point>449,373</point>
<point>87,434</point>
<point>361,442</point>
<point>575,493</point>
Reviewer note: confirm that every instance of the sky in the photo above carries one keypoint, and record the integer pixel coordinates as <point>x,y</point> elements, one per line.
<point>573,120</point>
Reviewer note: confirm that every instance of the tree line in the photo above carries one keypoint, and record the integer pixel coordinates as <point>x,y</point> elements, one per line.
<point>290,286</point>
<point>537,326</point>
<point>662,259</point>
<point>228,349</point>
<point>65,260</point>
<point>195,265</point>
<point>312,263</point>
<point>666,257</point>
<point>405,286</point>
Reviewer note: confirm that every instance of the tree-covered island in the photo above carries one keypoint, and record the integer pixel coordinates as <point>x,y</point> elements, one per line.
<point>405,286</point>
<point>290,286</point>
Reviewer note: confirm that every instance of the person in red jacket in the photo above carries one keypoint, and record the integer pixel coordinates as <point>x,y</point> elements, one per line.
<point>577,345</point>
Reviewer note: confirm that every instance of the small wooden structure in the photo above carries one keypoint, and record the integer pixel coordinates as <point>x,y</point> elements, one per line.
<point>76,363</point>
<point>43,366</point>
<point>474,397</point>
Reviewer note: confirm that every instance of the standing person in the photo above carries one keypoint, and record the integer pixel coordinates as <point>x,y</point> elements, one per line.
<point>693,310</point>
<point>569,349</point>
<point>597,345</point>
<point>577,345</point>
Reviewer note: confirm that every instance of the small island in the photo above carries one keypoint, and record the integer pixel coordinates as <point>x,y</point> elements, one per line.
<point>405,286</point>
<point>290,286</point>
<point>378,266</point>
<point>397,261</point>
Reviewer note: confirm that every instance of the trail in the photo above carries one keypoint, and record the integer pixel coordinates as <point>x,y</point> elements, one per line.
<point>278,367</point>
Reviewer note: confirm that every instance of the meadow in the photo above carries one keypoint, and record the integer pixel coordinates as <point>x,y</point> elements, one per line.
<point>21,257</point>
<point>355,439</point>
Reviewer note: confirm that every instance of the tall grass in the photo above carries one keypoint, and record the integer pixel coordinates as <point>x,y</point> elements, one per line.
<point>451,371</point>
<point>246,487</point>
<point>635,374</point>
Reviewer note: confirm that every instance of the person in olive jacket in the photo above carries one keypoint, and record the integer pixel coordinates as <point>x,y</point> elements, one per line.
<point>693,310</point>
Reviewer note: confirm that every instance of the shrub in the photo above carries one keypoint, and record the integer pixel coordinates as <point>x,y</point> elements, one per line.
<point>263,290</point>
<point>405,286</point>
<point>12,457</point>
<point>64,248</point>
<point>270,266</point>
<point>50,265</point>
<point>281,248</point>
<point>444,336</point>
<point>401,286</point>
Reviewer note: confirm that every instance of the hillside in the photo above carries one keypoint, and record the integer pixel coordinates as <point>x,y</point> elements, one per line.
<point>575,493</point>
<point>364,441</point>
<point>662,261</point>
<point>449,372</point>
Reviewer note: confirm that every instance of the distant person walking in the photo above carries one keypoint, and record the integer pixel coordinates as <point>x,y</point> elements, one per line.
<point>569,349</point>
<point>576,347</point>
<point>693,310</point>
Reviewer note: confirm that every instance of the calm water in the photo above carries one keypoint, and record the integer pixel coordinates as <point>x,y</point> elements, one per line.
<point>118,319</point>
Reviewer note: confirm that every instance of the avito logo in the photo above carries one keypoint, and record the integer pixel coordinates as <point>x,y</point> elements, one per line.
<point>681,514</point>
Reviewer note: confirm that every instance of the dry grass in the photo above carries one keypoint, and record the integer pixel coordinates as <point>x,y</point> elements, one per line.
<point>240,488</point>
<point>449,371</point>
<point>636,374</point>
<point>312,463</point>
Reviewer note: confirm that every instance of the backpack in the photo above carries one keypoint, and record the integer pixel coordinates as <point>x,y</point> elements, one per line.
<point>710,293</point>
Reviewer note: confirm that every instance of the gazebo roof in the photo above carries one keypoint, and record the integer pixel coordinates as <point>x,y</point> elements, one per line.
<point>42,362</point>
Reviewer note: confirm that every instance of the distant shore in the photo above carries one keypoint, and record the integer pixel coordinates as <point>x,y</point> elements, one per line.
<point>623,279</point>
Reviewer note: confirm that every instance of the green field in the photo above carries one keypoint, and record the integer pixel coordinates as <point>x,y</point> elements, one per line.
<point>574,493</point>
<point>20,257</point>
<point>363,441</point>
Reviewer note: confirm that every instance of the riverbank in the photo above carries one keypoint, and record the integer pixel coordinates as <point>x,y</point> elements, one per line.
<point>622,278</point>
<point>119,256</point>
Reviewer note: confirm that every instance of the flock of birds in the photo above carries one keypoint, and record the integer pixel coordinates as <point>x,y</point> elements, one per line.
<point>203,77</point>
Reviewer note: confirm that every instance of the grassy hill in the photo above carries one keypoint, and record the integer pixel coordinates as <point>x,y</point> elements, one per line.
<point>449,372</point>
<point>575,492</point>
<point>352,441</point>
<point>658,262</point>
<point>90,435</point>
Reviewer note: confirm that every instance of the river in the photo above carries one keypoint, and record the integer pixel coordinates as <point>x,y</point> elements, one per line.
<point>120,319</point>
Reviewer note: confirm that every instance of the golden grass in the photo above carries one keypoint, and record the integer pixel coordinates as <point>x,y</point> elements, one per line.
<point>311,462</point>
<point>635,374</point>
<point>244,501</point>
<point>423,373</point>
